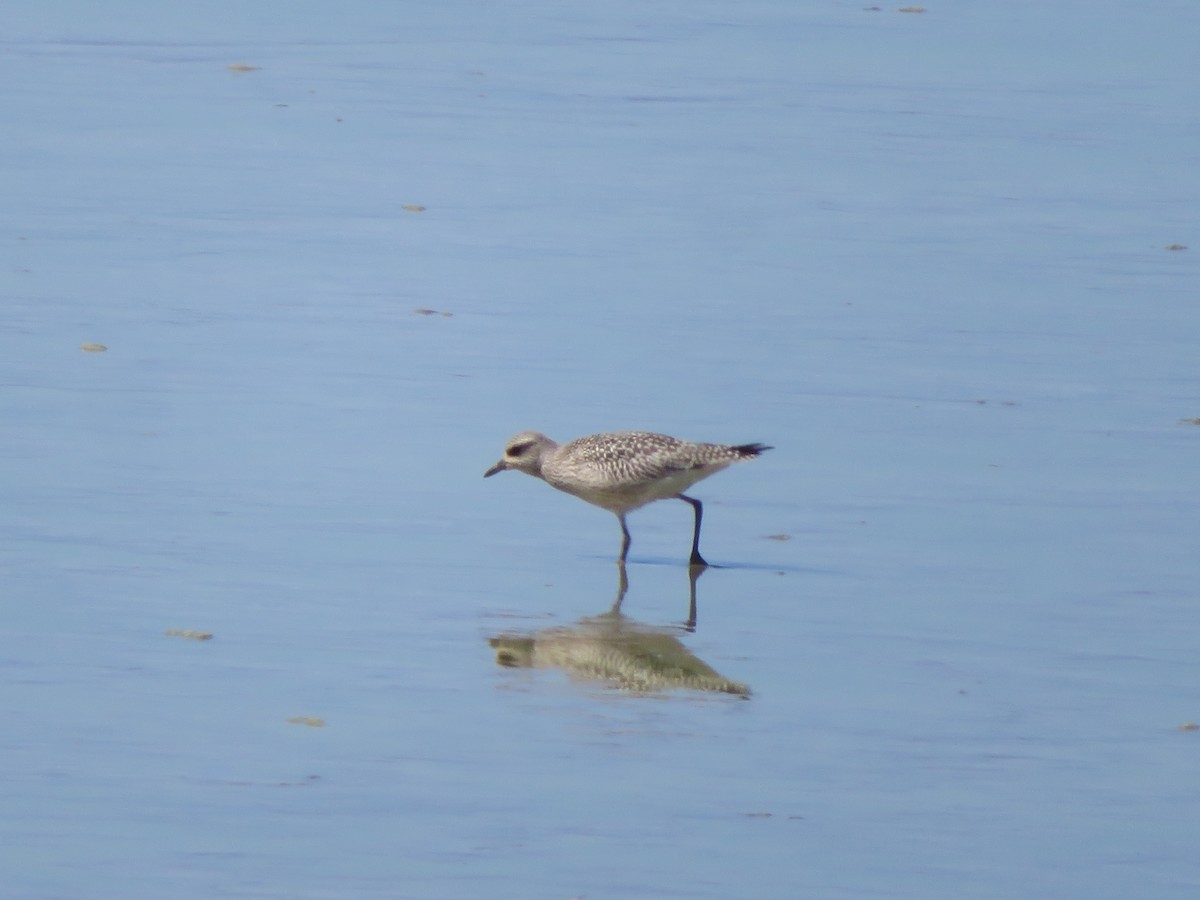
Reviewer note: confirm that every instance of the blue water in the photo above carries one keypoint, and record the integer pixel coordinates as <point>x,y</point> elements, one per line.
<point>924,255</point>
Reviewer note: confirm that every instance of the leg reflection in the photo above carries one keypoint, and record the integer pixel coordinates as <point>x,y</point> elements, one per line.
<point>694,573</point>
<point>622,589</point>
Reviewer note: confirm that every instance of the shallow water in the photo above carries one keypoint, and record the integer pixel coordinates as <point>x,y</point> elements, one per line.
<point>923,255</point>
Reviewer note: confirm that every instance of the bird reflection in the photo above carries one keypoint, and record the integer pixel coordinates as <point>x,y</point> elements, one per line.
<point>615,649</point>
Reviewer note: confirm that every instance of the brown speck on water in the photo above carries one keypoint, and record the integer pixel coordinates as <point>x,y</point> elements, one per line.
<point>243,68</point>
<point>189,634</point>
<point>424,311</point>
<point>413,207</point>
<point>779,537</point>
<point>1190,726</point>
<point>92,348</point>
<point>911,9</point>
<point>1176,246</point>
<point>1189,421</point>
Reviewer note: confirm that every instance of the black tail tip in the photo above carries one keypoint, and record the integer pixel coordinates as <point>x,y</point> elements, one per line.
<point>749,451</point>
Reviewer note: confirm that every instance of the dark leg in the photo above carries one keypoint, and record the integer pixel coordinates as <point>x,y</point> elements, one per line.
<point>624,538</point>
<point>622,588</point>
<point>694,573</point>
<point>697,559</point>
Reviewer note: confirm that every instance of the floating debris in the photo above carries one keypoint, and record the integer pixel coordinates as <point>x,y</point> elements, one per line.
<point>1190,726</point>
<point>424,311</point>
<point>243,68</point>
<point>413,207</point>
<point>779,537</point>
<point>1176,246</point>
<point>92,348</point>
<point>189,634</point>
<point>911,9</point>
<point>310,721</point>
<point>1189,421</point>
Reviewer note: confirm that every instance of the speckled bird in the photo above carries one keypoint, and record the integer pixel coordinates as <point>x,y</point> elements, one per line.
<point>623,470</point>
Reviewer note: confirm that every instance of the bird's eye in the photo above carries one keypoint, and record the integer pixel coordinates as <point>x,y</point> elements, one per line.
<point>519,449</point>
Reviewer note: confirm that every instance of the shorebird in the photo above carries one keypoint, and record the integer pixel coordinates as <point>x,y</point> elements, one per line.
<point>624,470</point>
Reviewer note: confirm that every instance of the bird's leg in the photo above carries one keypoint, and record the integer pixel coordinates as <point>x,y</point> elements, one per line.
<point>694,573</point>
<point>624,538</point>
<point>697,559</point>
<point>622,588</point>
